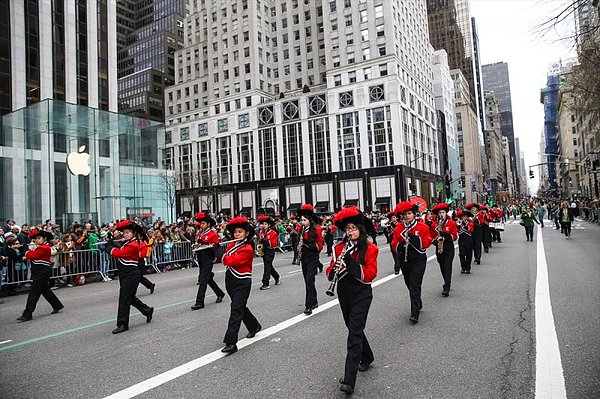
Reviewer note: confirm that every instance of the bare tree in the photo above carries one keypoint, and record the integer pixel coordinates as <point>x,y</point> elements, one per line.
<point>169,186</point>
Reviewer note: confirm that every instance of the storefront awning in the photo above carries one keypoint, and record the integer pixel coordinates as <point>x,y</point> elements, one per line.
<point>351,202</point>
<point>322,206</point>
<point>225,211</point>
<point>382,201</point>
<point>294,207</point>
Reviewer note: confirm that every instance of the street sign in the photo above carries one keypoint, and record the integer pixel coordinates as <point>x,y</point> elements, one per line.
<point>439,187</point>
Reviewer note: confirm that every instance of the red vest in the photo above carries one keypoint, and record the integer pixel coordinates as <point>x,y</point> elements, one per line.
<point>238,259</point>
<point>40,255</point>
<point>270,236</point>
<point>449,227</point>
<point>207,237</point>
<point>128,254</point>
<point>368,269</point>
<point>420,230</point>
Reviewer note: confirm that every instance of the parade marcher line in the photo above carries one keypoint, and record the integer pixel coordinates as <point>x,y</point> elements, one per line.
<point>549,378</point>
<point>195,364</point>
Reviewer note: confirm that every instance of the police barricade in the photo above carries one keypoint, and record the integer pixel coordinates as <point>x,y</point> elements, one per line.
<point>170,255</point>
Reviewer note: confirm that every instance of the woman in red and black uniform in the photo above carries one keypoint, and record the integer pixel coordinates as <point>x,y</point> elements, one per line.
<point>465,240</point>
<point>411,239</point>
<point>445,230</point>
<point>486,234</point>
<point>127,257</point>
<point>238,259</point>
<point>356,261</point>
<point>477,235</point>
<point>207,235</point>
<point>312,244</point>
<point>269,239</point>
<point>41,270</point>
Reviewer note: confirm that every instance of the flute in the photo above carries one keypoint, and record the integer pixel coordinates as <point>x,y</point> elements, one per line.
<point>224,243</point>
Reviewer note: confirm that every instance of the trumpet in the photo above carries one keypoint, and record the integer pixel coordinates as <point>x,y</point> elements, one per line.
<point>336,269</point>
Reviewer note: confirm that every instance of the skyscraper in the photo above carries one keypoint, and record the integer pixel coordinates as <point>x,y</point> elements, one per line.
<point>148,34</point>
<point>282,102</point>
<point>63,50</point>
<point>496,79</point>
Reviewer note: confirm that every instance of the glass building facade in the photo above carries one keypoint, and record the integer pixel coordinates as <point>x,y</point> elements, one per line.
<point>44,163</point>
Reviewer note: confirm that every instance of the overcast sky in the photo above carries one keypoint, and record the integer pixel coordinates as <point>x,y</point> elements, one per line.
<point>507,32</point>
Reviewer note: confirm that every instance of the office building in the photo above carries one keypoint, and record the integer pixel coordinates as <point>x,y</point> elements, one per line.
<point>277,103</point>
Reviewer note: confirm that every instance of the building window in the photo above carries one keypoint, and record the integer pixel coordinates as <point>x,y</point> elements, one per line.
<point>383,70</point>
<point>337,80</point>
<point>379,11</point>
<point>265,116</point>
<point>244,121</point>
<point>223,160</point>
<point>292,149</point>
<point>245,154</point>
<point>348,141</point>
<point>346,99</point>
<point>268,153</point>
<point>379,132</point>
<point>204,161</point>
<point>290,110</point>
<point>317,105</point>
<point>352,76</point>
<point>376,93</point>
<point>203,129</point>
<point>184,133</point>
<point>320,151</point>
<point>222,125</point>
<point>168,137</point>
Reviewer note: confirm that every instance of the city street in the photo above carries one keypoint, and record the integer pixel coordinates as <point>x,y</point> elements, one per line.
<point>481,342</point>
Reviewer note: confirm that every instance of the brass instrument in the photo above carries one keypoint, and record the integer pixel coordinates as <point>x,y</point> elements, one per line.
<point>440,240</point>
<point>300,243</point>
<point>260,250</point>
<point>336,268</point>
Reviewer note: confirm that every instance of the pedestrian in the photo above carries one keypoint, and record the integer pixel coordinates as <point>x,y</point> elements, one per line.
<point>41,270</point>
<point>444,233</point>
<point>465,240</point>
<point>206,242</point>
<point>329,229</point>
<point>411,239</point>
<point>294,238</point>
<point>238,259</point>
<point>541,212</point>
<point>566,216</point>
<point>268,241</point>
<point>527,221</point>
<point>354,266</point>
<point>311,239</point>
<point>496,215</point>
<point>127,257</point>
<point>486,234</point>
<point>477,235</point>
<point>392,223</point>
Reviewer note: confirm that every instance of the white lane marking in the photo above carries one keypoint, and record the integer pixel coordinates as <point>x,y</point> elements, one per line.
<point>295,271</point>
<point>195,364</point>
<point>549,378</point>
<point>6,342</point>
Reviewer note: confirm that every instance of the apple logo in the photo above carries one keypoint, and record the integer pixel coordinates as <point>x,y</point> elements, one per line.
<point>79,162</point>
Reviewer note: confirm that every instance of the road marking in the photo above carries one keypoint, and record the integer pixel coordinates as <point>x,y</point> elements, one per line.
<point>195,364</point>
<point>295,271</point>
<point>5,342</point>
<point>549,379</point>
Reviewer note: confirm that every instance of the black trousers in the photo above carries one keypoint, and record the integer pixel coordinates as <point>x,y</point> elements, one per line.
<point>310,263</point>
<point>355,300</point>
<point>397,261</point>
<point>239,291</point>
<point>40,276</point>
<point>465,252</point>
<point>206,278</point>
<point>413,272</point>
<point>269,270</point>
<point>565,228</point>
<point>529,233</point>
<point>129,279</point>
<point>329,243</point>
<point>496,235</point>
<point>445,261</point>
<point>143,280</point>
<point>477,244</point>
<point>486,237</point>
<point>295,247</point>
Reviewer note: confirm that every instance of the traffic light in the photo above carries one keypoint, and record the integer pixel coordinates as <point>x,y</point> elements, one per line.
<point>531,176</point>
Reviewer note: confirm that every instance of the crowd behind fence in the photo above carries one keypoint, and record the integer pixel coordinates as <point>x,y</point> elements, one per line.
<point>70,265</point>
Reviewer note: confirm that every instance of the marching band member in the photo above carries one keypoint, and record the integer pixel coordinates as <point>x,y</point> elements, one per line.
<point>477,235</point>
<point>207,235</point>
<point>269,239</point>
<point>353,267</point>
<point>465,240</point>
<point>294,238</point>
<point>41,270</point>
<point>311,244</point>
<point>393,222</point>
<point>445,233</point>
<point>411,239</point>
<point>238,259</point>
<point>497,216</point>
<point>486,235</point>
<point>129,276</point>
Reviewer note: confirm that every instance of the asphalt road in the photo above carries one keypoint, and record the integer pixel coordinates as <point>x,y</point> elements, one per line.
<point>478,343</point>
